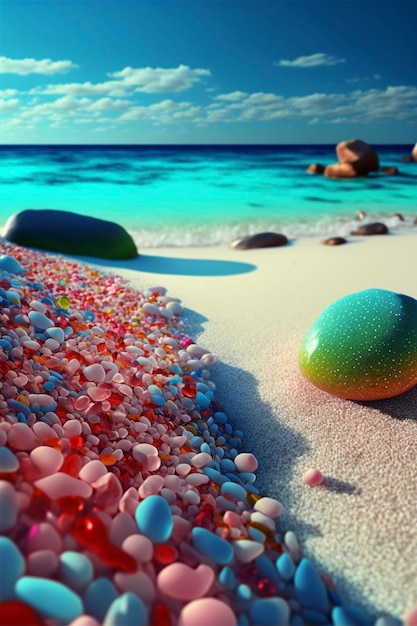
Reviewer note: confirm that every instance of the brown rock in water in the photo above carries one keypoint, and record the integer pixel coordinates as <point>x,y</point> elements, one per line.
<point>408,159</point>
<point>400,216</point>
<point>376,228</point>
<point>414,152</point>
<point>415,220</point>
<point>334,241</point>
<point>356,158</point>
<point>260,240</point>
<point>316,168</point>
<point>340,170</point>
<point>360,215</point>
<point>390,171</point>
<point>69,233</point>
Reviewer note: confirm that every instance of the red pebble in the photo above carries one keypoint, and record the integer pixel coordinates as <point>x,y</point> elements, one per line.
<point>161,615</point>
<point>313,477</point>
<point>165,553</point>
<point>16,613</point>
<point>91,533</point>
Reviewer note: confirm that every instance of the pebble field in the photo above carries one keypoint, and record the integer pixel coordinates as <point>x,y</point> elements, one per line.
<point>126,496</point>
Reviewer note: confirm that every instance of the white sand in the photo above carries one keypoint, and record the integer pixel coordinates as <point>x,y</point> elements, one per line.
<point>361,527</point>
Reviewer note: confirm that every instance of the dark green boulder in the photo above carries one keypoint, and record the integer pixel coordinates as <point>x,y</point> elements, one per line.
<point>69,233</point>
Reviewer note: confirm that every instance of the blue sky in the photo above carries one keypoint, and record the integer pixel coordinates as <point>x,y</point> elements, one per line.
<point>208,71</point>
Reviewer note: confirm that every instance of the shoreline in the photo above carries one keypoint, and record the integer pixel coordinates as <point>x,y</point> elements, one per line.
<point>253,321</point>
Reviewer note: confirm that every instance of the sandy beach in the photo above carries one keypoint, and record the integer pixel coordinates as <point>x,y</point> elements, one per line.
<point>252,309</point>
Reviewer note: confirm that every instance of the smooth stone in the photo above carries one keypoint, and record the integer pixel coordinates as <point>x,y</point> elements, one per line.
<point>309,588</point>
<point>207,611</point>
<point>285,566</point>
<point>334,241</point>
<point>316,168</point>
<point>99,596</point>
<point>9,462</point>
<point>47,459</point>
<point>268,506</point>
<point>21,437</point>
<point>390,171</point>
<point>42,563</point>
<point>126,610</point>
<point>267,569</point>
<point>213,546</point>
<point>40,320</point>
<point>247,550</point>
<point>55,332</point>
<point>60,485</point>
<point>246,462</point>
<point>8,506</point>
<point>75,569</point>
<point>267,611</point>
<point>70,233</point>
<point>347,615</point>
<point>376,228</point>
<point>94,373</point>
<point>10,554</point>
<point>154,518</point>
<point>51,598</point>
<point>233,490</point>
<point>260,240</point>
<point>182,582</point>
<point>363,346</point>
<point>9,264</point>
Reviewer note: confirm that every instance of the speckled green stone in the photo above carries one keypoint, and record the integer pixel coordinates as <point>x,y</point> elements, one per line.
<point>363,346</point>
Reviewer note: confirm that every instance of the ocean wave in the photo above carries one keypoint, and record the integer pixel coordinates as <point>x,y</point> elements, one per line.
<point>176,236</point>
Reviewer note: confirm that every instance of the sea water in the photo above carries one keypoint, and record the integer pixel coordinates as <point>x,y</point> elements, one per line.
<point>206,195</point>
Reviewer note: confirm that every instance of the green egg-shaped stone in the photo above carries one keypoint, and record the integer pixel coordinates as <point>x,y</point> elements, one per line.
<point>363,346</point>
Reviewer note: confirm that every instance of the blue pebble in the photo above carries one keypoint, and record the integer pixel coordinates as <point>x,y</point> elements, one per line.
<point>297,620</point>
<point>158,400</point>
<point>214,475</point>
<point>244,597</point>
<point>247,477</point>
<point>202,400</point>
<point>347,615</point>
<point>213,546</point>
<point>309,588</point>
<point>39,320</point>
<point>315,618</point>
<point>266,568</point>
<point>126,610</point>
<point>52,373</point>
<point>227,577</point>
<point>8,461</point>
<point>205,448</point>
<point>75,569</point>
<point>19,406</point>
<point>50,598</point>
<point>233,490</point>
<point>13,567</point>
<point>267,611</point>
<point>154,518</point>
<point>228,466</point>
<point>256,534</point>
<point>242,620</point>
<point>196,442</point>
<point>9,264</point>
<point>234,478</point>
<point>285,566</point>
<point>49,385</point>
<point>98,597</point>
<point>5,344</point>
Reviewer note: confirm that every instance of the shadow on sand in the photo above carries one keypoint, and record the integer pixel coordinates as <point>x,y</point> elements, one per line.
<point>171,265</point>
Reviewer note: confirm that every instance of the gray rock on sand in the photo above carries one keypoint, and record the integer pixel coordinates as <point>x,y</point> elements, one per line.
<point>356,158</point>
<point>260,240</point>
<point>69,233</point>
<point>376,228</point>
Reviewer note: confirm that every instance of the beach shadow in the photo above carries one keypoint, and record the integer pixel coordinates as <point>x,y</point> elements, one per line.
<point>402,407</point>
<point>172,265</point>
<point>340,486</point>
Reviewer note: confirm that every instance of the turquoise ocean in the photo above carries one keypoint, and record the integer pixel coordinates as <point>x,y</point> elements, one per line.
<point>206,195</point>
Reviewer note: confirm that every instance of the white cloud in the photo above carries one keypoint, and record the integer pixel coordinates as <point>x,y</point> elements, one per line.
<point>233,96</point>
<point>108,88</point>
<point>159,80</point>
<point>313,60</point>
<point>7,106</point>
<point>165,112</point>
<point>32,66</point>
<point>8,93</point>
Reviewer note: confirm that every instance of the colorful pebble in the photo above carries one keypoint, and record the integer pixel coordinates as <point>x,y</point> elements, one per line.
<point>125,494</point>
<point>363,346</point>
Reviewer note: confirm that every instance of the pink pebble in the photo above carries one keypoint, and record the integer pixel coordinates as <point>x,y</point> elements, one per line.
<point>21,437</point>
<point>201,459</point>
<point>60,485</point>
<point>151,485</point>
<point>313,477</point>
<point>72,428</point>
<point>138,583</point>
<point>47,460</point>
<point>98,394</point>
<point>43,536</point>
<point>268,506</point>
<point>92,471</point>
<point>138,546</point>
<point>84,620</point>
<point>94,373</point>
<point>410,618</point>
<point>21,380</point>
<point>42,563</point>
<point>182,582</point>
<point>121,527</point>
<point>207,611</point>
<point>246,462</point>
<point>43,431</point>
<point>43,399</point>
